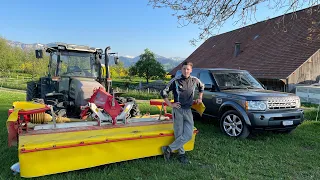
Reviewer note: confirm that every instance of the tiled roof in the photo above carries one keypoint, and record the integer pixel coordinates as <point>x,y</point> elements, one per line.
<point>269,49</point>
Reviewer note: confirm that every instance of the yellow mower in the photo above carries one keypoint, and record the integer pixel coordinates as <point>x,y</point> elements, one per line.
<point>50,144</point>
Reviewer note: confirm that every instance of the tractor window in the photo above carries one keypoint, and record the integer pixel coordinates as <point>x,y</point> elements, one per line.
<point>53,64</point>
<point>76,64</point>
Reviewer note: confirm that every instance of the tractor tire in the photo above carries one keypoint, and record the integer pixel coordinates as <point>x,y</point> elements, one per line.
<point>135,109</point>
<point>31,90</point>
<point>121,100</point>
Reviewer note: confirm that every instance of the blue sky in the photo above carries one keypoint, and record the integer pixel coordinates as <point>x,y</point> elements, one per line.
<point>128,26</point>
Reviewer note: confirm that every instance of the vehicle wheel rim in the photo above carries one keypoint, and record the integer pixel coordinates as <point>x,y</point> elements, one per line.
<point>232,125</point>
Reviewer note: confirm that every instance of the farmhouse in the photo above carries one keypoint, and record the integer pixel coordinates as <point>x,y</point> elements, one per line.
<point>281,52</point>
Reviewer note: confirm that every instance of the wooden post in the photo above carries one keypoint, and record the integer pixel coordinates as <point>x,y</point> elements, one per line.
<point>287,85</point>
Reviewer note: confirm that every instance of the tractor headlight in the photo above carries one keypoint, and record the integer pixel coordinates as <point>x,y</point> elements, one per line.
<point>256,105</point>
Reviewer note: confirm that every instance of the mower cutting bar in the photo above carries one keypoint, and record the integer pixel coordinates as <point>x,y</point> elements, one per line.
<point>68,125</point>
<point>90,123</point>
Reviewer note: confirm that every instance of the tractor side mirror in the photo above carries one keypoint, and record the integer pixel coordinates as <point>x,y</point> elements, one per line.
<point>116,60</point>
<point>39,53</point>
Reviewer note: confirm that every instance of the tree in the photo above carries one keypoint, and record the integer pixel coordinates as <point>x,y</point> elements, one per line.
<point>34,66</point>
<point>210,15</point>
<point>118,70</point>
<point>14,59</point>
<point>7,56</point>
<point>148,67</point>
<point>132,71</point>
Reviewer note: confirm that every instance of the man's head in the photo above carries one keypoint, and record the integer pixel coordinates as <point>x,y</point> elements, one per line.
<point>186,68</point>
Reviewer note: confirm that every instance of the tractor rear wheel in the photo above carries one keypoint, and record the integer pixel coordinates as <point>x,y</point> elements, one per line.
<point>31,90</point>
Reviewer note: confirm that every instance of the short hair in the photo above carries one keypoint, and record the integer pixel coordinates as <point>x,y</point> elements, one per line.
<point>187,63</point>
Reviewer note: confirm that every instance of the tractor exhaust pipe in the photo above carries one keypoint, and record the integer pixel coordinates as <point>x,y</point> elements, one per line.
<point>106,60</point>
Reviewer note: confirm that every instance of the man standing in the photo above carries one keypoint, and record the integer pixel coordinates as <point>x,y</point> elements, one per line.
<point>183,89</point>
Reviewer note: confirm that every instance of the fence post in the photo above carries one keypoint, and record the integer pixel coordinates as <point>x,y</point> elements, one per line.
<point>148,91</point>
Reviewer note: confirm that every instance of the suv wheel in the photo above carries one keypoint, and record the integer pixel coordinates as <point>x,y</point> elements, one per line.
<point>233,125</point>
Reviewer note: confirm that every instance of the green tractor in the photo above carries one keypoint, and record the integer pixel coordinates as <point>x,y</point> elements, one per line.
<point>74,72</point>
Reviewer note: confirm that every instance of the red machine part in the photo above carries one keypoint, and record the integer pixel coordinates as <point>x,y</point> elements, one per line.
<point>161,103</point>
<point>16,127</point>
<point>102,99</point>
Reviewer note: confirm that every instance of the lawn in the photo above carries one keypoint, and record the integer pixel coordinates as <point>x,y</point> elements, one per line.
<point>262,156</point>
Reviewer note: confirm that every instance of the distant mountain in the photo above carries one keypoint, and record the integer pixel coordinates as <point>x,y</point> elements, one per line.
<point>25,46</point>
<point>168,63</point>
<point>177,59</point>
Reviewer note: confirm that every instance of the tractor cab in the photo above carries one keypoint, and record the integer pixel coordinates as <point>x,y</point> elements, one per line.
<point>73,60</point>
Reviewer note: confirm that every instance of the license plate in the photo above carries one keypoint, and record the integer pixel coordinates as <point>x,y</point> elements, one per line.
<point>287,123</point>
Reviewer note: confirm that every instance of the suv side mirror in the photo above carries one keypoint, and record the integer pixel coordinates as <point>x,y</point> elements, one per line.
<point>39,53</point>
<point>210,87</point>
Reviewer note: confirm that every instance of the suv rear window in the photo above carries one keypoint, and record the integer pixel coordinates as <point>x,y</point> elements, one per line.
<point>178,73</point>
<point>205,77</point>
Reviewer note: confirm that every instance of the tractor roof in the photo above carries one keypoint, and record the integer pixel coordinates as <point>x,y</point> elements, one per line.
<point>73,47</point>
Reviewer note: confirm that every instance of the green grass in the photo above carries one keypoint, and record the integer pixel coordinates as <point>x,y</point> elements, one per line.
<point>262,156</point>
<point>311,111</point>
<point>309,105</point>
<point>144,95</point>
<point>15,80</point>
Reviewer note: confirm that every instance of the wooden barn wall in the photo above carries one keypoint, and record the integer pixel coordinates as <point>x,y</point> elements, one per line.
<point>307,73</point>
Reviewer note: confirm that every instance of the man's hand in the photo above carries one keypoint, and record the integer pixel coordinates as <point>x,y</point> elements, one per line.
<point>176,105</point>
<point>173,105</point>
<point>198,101</point>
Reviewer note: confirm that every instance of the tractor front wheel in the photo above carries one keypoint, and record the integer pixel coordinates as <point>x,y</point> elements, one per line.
<point>134,110</point>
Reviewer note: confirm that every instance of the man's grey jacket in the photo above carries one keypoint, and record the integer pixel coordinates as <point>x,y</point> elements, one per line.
<point>183,90</point>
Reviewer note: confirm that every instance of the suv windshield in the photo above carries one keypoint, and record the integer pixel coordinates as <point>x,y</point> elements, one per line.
<point>236,80</point>
<point>76,64</point>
